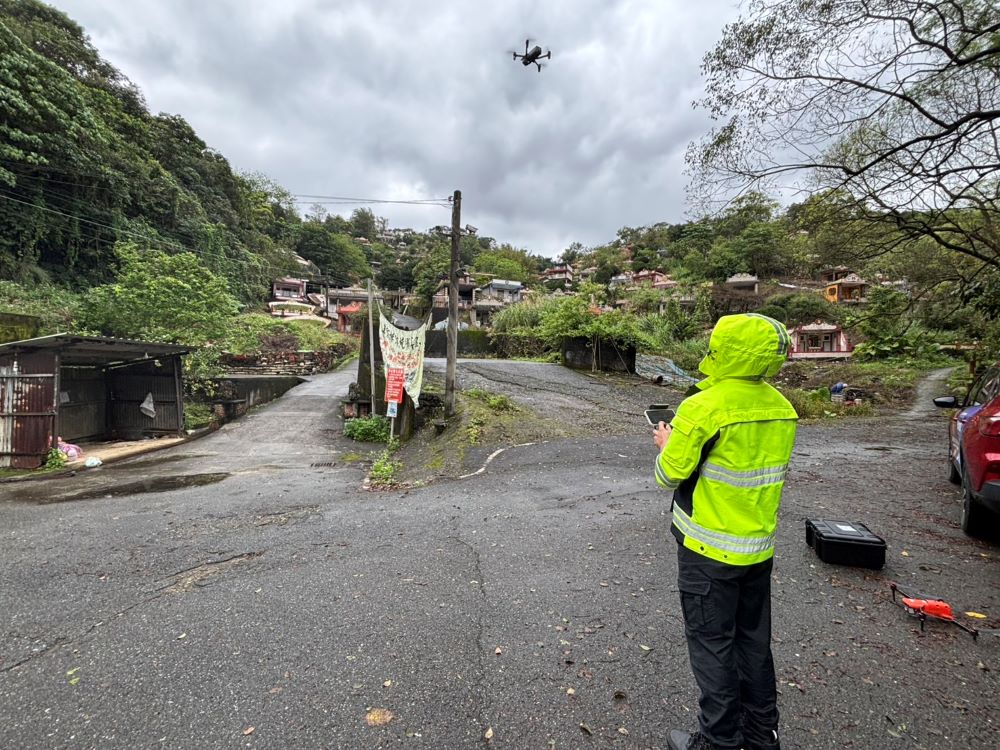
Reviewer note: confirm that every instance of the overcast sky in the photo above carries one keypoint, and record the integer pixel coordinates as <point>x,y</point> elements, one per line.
<point>400,99</point>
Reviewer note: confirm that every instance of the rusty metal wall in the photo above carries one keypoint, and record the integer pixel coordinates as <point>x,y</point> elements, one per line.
<point>83,403</point>
<point>129,386</point>
<point>27,408</point>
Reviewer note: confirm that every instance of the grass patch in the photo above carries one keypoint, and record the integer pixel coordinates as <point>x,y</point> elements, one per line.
<point>496,402</point>
<point>888,384</point>
<point>385,470</point>
<point>816,404</point>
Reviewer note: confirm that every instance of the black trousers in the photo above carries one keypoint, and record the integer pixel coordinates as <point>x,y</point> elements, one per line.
<point>727,620</point>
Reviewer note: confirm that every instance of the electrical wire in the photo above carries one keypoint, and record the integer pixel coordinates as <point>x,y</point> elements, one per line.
<point>340,199</point>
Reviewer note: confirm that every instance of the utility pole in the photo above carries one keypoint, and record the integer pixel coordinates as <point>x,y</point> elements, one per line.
<point>449,378</point>
<point>371,344</point>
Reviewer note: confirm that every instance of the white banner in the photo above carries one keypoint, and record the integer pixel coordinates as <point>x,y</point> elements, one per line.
<point>405,350</point>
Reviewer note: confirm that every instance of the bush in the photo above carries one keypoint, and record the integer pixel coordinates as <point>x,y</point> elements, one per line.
<point>374,429</point>
<point>197,415</point>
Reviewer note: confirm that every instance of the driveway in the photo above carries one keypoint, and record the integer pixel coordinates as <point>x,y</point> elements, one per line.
<point>531,605</point>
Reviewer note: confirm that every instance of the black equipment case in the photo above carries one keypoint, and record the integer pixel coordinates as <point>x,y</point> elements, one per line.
<point>845,543</point>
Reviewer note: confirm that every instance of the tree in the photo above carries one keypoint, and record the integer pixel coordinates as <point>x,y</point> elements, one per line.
<point>336,254</point>
<point>891,106</point>
<point>364,224</point>
<point>160,297</point>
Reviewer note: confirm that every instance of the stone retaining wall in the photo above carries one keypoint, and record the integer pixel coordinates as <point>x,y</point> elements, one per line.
<point>283,363</point>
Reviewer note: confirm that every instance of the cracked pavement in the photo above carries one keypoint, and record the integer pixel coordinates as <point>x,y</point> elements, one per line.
<point>279,603</point>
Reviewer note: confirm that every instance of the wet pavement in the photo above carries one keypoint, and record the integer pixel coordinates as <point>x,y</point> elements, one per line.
<point>534,602</point>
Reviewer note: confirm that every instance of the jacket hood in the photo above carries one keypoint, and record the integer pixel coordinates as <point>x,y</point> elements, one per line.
<point>746,346</point>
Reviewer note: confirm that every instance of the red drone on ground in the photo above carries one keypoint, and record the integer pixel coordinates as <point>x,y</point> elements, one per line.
<point>933,608</point>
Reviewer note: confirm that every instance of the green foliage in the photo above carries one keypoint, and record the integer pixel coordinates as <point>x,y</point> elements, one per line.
<point>374,429</point>
<point>197,415</point>
<point>53,305</point>
<point>802,307</point>
<point>495,401</point>
<point>507,262</point>
<point>336,254</point>
<point>160,297</point>
<point>385,469</point>
<point>55,459</point>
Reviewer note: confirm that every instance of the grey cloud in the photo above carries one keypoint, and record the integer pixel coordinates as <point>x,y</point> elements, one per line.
<point>416,99</point>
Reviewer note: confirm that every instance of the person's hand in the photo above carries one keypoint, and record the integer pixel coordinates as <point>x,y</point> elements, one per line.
<point>662,434</point>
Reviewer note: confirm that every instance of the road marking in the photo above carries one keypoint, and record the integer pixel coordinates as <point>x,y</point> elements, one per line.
<point>493,455</point>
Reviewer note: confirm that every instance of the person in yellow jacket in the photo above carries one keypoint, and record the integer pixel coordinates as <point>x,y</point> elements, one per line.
<point>725,456</point>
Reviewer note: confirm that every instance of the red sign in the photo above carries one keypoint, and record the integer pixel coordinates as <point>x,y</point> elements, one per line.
<point>394,378</point>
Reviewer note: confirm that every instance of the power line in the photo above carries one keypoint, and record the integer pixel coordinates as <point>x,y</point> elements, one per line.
<point>306,197</point>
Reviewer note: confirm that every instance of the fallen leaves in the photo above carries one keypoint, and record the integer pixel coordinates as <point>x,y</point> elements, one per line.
<point>378,717</point>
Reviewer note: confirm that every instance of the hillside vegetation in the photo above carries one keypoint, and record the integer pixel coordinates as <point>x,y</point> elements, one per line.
<point>119,221</point>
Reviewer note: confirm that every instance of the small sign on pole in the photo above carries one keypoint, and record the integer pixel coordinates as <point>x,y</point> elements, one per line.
<point>394,379</point>
<point>391,409</point>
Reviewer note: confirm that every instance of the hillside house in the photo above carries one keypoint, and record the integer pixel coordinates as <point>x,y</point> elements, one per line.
<point>647,277</point>
<point>289,290</point>
<point>834,273</point>
<point>621,279</point>
<point>819,340</point>
<point>501,290</point>
<point>492,297</point>
<point>665,283</point>
<point>466,290</point>
<point>851,289</point>
<point>562,272</point>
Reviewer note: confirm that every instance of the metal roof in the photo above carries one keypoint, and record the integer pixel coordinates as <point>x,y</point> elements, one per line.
<point>95,350</point>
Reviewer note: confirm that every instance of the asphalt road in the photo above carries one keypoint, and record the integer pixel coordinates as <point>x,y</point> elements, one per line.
<point>244,591</point>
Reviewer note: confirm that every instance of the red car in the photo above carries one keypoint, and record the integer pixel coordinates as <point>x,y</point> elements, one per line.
<point>974,452</point>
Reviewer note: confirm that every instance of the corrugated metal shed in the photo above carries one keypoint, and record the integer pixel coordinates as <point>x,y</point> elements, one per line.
<point>84,386</point>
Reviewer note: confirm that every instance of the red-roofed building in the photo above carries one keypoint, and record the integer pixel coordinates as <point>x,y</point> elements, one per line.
<point>344,313</point>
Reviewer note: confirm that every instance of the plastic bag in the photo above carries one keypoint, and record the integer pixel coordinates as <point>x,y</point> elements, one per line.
<point>148,407</point>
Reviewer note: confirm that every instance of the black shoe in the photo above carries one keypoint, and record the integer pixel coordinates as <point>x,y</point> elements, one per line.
<point>679,740</point>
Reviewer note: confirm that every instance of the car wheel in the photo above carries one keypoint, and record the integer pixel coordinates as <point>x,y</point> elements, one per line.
<point>973,514</point>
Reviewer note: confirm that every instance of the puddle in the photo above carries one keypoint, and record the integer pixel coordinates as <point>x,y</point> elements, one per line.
<point>144,486</point>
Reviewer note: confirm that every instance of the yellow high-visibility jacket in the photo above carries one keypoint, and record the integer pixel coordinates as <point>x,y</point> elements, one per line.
<point>728,452</point>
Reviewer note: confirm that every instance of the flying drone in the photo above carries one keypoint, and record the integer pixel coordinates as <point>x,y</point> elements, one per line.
<point>532,56</point>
